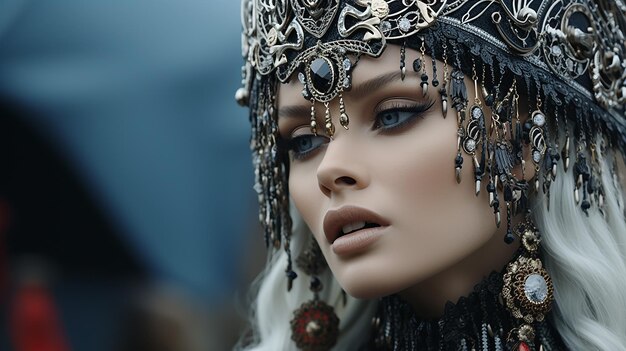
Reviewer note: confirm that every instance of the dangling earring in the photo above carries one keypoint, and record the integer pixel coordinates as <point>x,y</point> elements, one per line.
<point>527,289</point>
<point>537,139</point>
<point>444,88</point>
<point>473,132</point>
<point>402,61</point>
<point>315,326</point>
<point>424,76</point>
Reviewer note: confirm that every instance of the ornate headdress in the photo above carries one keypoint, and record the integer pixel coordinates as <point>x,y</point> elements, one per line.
<point>568,57</point>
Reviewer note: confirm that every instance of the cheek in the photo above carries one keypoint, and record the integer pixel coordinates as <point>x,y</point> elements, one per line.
<point>440,221</point>
<point>419,167</point>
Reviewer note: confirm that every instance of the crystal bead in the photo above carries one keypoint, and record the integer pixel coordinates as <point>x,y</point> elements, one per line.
<point>347,65</point>
<point>404,24</point>
<point>385,27</point>
<point>536,156</point>
<point>536,288</point>
<point>477,113</point>
<point>302,78</point>
<point>346,83</point>
<point>470,145</point>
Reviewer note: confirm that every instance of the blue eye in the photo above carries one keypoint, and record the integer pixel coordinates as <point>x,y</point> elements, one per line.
<point>393,117</point>
<point>302,146</point>
<point>400,115</point>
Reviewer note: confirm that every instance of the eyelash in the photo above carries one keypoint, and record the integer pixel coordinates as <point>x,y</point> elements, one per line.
<point>417,110</point>
<point>292,145</point>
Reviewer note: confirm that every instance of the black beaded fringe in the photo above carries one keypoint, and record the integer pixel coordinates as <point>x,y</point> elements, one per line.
<point>476,322</point>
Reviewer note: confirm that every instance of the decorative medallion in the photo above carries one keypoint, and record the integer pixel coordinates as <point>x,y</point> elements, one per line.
<point>325,72</point>
<point>315,326</point>
<point>568,48</point>
<point>316,16</point>
<point>608,66</point>
<point>536,288</point>
<point>527,288</point>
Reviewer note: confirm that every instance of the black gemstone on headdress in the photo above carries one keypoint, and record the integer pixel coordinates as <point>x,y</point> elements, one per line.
<point>585,205</point>
<point>458,160</point>
<point>291,275</point>
<point>509,238</point>
<point>322,75</point>
<point>316,284</point>
<point>417,65</point>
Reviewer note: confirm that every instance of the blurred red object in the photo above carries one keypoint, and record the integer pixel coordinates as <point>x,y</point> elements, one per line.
<point>35,323</point>
<point>4,224</point>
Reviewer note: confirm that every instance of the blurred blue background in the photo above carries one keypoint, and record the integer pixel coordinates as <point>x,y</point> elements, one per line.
<point>126,186</point>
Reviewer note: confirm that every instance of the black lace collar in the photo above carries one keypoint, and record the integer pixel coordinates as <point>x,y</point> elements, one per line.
<point>476,322</point>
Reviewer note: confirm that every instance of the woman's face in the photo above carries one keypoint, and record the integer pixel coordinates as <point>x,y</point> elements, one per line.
<point>393,170</point>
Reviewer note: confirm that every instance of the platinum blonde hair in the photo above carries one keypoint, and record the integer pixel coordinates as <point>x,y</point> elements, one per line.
<point>585,256</point>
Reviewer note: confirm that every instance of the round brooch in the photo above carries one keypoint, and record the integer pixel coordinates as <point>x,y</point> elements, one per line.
<point>527,288</point>
<point>315,326</point>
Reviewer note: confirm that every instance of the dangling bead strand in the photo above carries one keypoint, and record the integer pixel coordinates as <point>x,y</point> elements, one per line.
<point>444,88</point>
<point>328,122</point>
<point>424,77</point>
<point>313,121</point>
<point>402,60</point>
<point>344,120</point>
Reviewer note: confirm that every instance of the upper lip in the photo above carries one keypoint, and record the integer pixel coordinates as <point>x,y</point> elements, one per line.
<point>334,220</point>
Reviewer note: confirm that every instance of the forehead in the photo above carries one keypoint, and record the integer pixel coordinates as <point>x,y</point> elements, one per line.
<point>367,68</point>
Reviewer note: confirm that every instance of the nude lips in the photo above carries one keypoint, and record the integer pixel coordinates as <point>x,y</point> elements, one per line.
<point>344,244</point>
<point>356,241</point>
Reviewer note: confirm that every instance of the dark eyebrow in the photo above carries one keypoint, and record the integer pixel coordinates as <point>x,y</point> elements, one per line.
<point>295,111</point>
<point>357,92</point>
<point>374,84</point>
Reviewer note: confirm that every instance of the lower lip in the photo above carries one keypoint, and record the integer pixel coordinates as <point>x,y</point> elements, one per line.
<point>356,241</point>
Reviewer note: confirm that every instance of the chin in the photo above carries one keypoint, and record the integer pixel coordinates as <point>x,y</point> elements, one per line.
<point>366,290</point>
<point>363,283</point>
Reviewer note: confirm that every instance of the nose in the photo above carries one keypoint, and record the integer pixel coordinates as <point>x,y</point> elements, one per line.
<point>341,168</point>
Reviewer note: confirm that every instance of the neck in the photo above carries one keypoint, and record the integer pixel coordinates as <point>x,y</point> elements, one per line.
<point>429,297</point>
<point>477,321</point>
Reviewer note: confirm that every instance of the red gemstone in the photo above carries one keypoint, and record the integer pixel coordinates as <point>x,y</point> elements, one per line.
<point>523,347</point>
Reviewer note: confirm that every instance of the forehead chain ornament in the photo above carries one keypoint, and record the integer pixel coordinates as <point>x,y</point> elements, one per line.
<point>326,75</point>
